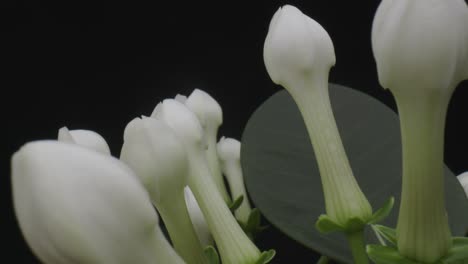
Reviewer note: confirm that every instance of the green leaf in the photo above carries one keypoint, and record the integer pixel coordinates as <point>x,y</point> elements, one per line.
<point>253,225</point>
<point>282,177</point>
<point>236,203</point>
<point>212,255</point>
<point>383,212</point>
<point>386,255</point>
<point>389,234</point>
<point>266,257</point>
<point>458,253</point>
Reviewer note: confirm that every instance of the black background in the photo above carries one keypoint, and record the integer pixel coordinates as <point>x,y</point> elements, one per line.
<point>97,66</point>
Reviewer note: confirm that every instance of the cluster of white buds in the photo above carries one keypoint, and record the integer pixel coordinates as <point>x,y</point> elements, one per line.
<point>173,163</point>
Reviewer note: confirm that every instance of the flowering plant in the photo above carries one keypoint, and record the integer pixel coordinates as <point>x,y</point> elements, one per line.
<point>175,156</point>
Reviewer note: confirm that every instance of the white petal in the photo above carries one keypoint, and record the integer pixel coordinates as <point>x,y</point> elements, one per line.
<point>86,138</point>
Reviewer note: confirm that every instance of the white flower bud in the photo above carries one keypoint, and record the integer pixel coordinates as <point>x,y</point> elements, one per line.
<point>298,55</point>
<point>421,50</point>
<point>184,123</point>
<point>421,44</point>
<point>229,151</point>
<point>75,205</point>
<point>295,48</point>
<point>157,156</point>
<point>86,138</point>
<point>210,115</point>
<point>233,244</point>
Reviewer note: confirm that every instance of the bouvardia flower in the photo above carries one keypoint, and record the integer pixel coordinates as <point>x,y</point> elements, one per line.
<point>229,151</point>
<point>158,158</point>
<point>233,244</point>
<point>75,205</point>
<point>210,115</point>
<point>298,55</point>
<point>421,50</point>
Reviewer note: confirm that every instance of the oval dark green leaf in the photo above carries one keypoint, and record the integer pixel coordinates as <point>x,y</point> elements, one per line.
<point>282,177</point>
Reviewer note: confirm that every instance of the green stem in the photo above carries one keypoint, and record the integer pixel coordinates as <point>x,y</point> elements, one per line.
<point>233,244</point>
<point>423,232</point>
<point>358,247</point>
<point>343,196</point>
<point>323,260</point>
<point>180,228</point>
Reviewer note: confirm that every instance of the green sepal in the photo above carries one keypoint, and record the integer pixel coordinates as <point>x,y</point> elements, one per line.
<point>266,256</point>
<point>458,253</point>
<point>354,224</point>
<point>236,203</point>
<point>388,233</point>
<point>253,225</point>
<point>383,212</point>
<point>212,255</point>
<point>386,255</point>
<point>326,225</point>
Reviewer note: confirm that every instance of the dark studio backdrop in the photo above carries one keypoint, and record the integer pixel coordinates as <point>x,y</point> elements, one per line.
<point>97,66</point>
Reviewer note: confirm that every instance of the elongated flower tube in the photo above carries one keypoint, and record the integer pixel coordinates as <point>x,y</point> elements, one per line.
<point>298,55</point>
<point>463,178</point>
<point>198,219</point>
<point>75,205</point>
<point>210,115</point>
<point>421,50</point>
<point>229,157</point>
<point>233,244</point>
<point>86,138</point>
<point>158,158</point>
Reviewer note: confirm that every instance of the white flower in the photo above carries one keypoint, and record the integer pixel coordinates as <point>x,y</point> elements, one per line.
<point>295,48</point>
<point>421,50</point>
<point>75,205</point>
<point>421,44</point>
<point>233,244</point>
<point>210,115</point>
<point>197,218</point>
<point>463,178</point>
<point>229,151</point>
<point>86,138</point>
<point>158,157</point>
<point>298,55</point>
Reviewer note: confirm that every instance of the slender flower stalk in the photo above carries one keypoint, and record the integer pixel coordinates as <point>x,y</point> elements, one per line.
<point>75,205</point>
<point>229,151</point>
<point>421,50</point>
<point>157,156</point>
<point>86,138</point>
<point>233,244</point>
<point>298,55</point>
<point>210,115</point>
<point>198,219</point>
